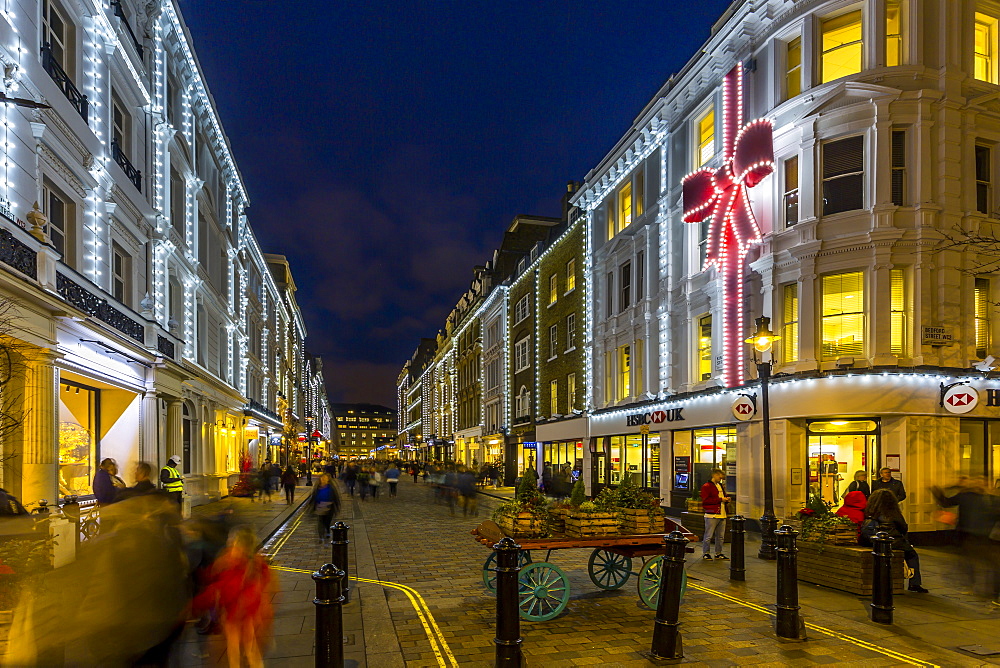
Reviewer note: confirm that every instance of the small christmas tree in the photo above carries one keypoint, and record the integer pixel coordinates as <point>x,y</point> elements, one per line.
<point>527,490</point>
<point>245,486</point>
<point>579,494</point>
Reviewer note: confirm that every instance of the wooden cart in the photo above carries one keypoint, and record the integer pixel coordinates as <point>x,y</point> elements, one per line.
<point>544,587</point>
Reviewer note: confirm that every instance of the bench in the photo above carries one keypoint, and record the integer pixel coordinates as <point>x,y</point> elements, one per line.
<point>844,567</point>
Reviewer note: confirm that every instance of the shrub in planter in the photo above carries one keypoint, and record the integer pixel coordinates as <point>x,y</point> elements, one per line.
<point>579,494</point>
<point>638,510</point>
<point>589,519</point>
<point>526,515</point>
<point>821,525</point>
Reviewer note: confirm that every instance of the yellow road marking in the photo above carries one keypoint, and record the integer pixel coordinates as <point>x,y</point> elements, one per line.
<point>909,660</point>
<point>284,538</point>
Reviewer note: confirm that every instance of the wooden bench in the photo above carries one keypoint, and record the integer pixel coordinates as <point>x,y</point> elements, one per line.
<point>844,567</point>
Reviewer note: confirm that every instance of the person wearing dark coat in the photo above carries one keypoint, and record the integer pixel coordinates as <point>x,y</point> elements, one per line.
<point>886,481</point>
<point>107,483</point>
<point>289,479</point>
<point>859,484</point>
<point>882,514</point>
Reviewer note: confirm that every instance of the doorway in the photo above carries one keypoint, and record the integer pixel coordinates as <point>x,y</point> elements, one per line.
<point>835,450</point>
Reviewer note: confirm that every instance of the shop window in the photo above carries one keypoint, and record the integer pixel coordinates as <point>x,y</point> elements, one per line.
<point>624,371</point>
<point>640,276</point>
<point>898,184</point>
<point>705,347</point>
<point>984,178</point>
<point>571,331</point>
<point>570,393</point>
<point>843,318</point>
<point>553,341</point>
<point>705,127</point>
<point>843,175</point>
<point>553,288</point>
<point>571,275</point>
<point>981,307</point>
<point>793,67</point>
<point>624,286</point>
<point>897,312</point>
<point>60,212</point>
<point>979,450</point>
<point>842,46</point>
<point>713,448</point>
<point>553,397</point>
<point>79,437</point>
<point>893,33</point>
<point>791,194</point>
<point>836,449</point>
<point>790,323</point>
<point>985,48</point>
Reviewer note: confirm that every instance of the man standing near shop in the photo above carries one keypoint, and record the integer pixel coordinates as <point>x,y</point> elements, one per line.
<point>886,481</point>
<point>171,479</point>
<point>714,500</point>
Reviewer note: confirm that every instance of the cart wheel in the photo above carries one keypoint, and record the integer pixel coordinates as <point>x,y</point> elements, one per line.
<point>489,566</point>
<point>649,582</point>
<point>543,590</point>
<point>609,570</point>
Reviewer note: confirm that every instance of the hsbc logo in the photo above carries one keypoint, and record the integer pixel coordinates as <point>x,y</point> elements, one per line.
<point>654,417</point>
<point>745,407</point>
<point>960,399</point>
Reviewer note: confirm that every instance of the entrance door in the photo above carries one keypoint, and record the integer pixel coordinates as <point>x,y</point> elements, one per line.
<point>836,449</point>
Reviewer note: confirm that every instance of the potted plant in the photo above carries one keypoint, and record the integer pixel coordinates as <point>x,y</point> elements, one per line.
<point>526,515</point>
<point>822,525</point>
<point>694,501</point>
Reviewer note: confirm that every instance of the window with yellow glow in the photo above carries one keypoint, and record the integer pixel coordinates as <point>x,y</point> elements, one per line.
<point>793,68</point>
<point>553,288</point>
<point>984,50</point>
<point>553,397</point>
<point>570,392</point>
<point>705,347</point>
<point>625,206</point>
<point>624,371</point>
<point>842,46</point>
<point>981,306</point>
<point>843,316</point>
<point>897,313</point>
<point>571,275</point>
<point>790,323</point>
<point>893,33</point>
<point>706,137</point>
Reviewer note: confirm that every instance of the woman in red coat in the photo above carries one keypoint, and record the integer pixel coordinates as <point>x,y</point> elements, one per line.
<point>239,590</point>
<point>854,507</point>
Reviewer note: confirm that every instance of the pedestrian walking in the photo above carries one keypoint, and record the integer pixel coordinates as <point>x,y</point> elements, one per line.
<point>264,483</point>
<point>466,482</point>
<point>882,514</point>
<point>171,480</point>
<point>392,477</point>
<point>975,525</point>
<point>714,500</point>
<point>350,476</point>
<point>143,485</point>
<point>107,484</point>
<point>289,479</point>
<point>275,476</point>
<point>886,481</point>
<point>859,484</point>
<point>374,481</point>
<point>363,482</point>
<point>325,503</point>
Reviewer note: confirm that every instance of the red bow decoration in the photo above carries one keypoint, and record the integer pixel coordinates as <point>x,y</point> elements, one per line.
<point>748,156</point>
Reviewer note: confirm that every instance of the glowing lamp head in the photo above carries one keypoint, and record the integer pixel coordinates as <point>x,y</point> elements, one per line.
<point>763,338</point>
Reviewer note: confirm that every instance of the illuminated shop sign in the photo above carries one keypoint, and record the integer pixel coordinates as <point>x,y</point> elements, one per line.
<point>654,417</point>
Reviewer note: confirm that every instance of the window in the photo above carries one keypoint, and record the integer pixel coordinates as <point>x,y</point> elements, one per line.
<point>176,300</point>
<point>842,46</point>
<point>610,308</point>
<point>790,323</point>
<point>843,175</point>
<point>624,371</point>
<point>571,275</point>
<point>571,393</point>
<point>59,212</point>
<point>703,228</point>
<point>985,64</point>
<point>553,288</point>
<point>793,68</point>
<point>553,397</point>
<point>172,101</point>
<point>893,33</point>
<point>843,317</point>
<point>899,167</point>
<point>612,219</point>
<point>791,196</point>
<point>625,206</point>
<point>640,276</point>
<point>608,384</point>
<point>177,201</point>
<point>571,331</point>
<point>981,306</point>
<point>625,287</point>
<point>203,233</point>
<point>121,274</point>
<point>553,341</point>
<point>121,125</point>
<point>640,191</point>
<point>522,309</point>
<point>521,356</point>
<point>522,403</point>
<point>58,33</point>
<point>984,178</point>
<point>705,347</point>
<point>897,313</point>
<point>706,138</point>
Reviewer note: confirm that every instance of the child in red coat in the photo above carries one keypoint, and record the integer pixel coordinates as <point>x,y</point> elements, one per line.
<point>239,590</point>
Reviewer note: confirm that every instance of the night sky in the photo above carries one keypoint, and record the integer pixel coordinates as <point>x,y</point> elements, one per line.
<point>387,145</point>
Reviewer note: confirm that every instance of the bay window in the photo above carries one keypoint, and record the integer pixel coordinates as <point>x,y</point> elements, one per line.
<point>843,315</point>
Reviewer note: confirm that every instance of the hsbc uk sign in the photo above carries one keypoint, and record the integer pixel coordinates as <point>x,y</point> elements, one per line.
<point>654,417</point>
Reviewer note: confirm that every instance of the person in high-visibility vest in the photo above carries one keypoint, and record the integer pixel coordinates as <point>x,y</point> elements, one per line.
<point>171,479</point>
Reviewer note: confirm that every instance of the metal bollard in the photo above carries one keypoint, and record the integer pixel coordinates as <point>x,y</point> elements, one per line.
<point>737,565</point>
<point>666,632</point>
<point>788,623</point>
<point>329,622</point>
<point>508,638</point>
<point>881,607</point>
<point>338,554</point>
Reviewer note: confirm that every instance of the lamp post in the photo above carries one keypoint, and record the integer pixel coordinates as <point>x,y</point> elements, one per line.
<point>762,340</point>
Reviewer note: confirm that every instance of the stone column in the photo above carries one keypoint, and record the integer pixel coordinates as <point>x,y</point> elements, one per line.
<point>175,443</point>
<point>149,426</point>
<point>40,430</point>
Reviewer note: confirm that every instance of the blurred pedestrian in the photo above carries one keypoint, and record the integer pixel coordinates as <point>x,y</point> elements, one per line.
<point>325,503</point>
<point>977,520</point>
<point>107,484</point>
<point>374,481</point>
<point>392,477</point>
<point>882,514</point>
<point>466,483</point>
<point>350,476</point>
<point>264,482</point>
<point>143,485</point>
<point>886,481</point>
<point>289,480</point>
<point>859,484</point>
<point>363,482</point>
<point>275,472</point>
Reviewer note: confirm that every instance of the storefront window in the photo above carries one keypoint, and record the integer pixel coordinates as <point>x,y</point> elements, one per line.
<point>715,448</point>
<point>568,454</point>
<point>79,437</point>
<point>836,450</point>
<point>979,449</point>
<point>635,456</point>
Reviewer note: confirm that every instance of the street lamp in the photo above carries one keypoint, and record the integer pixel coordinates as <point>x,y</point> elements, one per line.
<point>762,340</point>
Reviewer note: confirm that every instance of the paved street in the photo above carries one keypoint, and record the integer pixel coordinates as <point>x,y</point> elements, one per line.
<point>414,542</point>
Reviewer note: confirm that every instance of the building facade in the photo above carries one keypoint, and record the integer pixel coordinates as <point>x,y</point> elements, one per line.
<point>364,430</point>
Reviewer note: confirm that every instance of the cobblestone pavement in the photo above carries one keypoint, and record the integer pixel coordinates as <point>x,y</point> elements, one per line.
<point>414,541</point>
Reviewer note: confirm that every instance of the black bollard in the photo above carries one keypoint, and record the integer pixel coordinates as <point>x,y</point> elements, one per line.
<point>881,607</point>
<point>788,623</point>
<point>737,565</point>
<point>508,639</point>
<point>338,554</point>
<point>666,632</point>
<point>329,622</point>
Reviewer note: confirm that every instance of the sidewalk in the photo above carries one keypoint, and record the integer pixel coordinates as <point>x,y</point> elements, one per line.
<point>265,518</point>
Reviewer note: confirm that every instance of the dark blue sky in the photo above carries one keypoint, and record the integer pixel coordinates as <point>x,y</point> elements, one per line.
<point>386,145</point>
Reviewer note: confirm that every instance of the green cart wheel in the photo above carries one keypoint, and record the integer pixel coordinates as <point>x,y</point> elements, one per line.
<point>489,568</point>
<point>543,592</point>
<point>649,582</point>
<point>609,570</point>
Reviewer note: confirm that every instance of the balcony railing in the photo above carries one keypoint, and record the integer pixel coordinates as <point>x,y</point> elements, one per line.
<point>116,5</point>
<point>98,307</point>
<point>165,346</point>
<point>75,97</point>
<point>15,253</point>
<point>255,407</point>
<point>133,174</point>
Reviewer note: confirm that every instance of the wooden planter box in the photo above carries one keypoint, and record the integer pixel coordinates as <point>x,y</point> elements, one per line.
<point>522,525</point>
<point>847,536</point>
<point>557,519</point>
<point>845,568</point>
<point>592,524</point>
<point>635,520</point>
<point>694,506</point>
